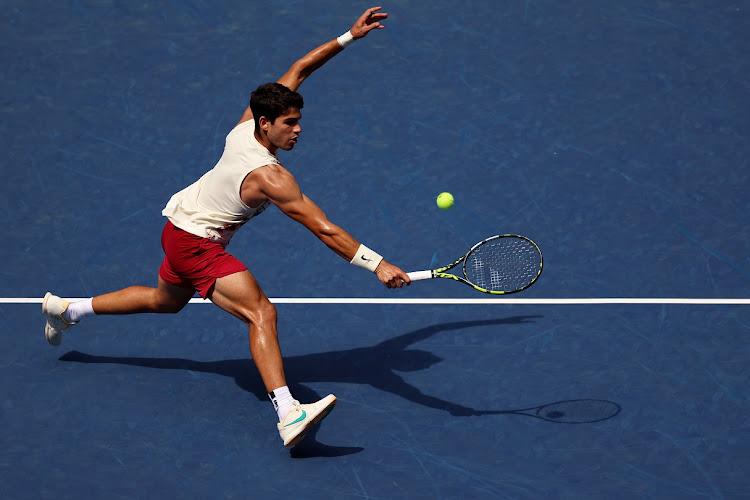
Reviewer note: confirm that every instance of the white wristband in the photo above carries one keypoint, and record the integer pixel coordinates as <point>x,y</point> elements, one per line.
<point>366,258</point>
<point>346,39</point>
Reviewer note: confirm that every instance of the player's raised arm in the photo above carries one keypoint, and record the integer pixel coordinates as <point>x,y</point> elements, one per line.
<point>304,67</point>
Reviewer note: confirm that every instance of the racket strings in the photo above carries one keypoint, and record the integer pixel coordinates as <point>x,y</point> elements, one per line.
<point>503,264</point>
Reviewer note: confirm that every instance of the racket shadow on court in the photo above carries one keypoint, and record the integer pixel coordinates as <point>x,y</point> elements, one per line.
<point>376,366</point>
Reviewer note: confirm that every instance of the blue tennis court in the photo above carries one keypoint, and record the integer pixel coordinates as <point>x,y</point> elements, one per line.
<point>615,135</point>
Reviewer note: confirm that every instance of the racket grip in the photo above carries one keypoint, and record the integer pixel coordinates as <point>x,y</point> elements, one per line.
<point>420,275</point>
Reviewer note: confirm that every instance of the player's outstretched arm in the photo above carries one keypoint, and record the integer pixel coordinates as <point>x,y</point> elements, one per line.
<point>279,186</point>
<point>304,67</point>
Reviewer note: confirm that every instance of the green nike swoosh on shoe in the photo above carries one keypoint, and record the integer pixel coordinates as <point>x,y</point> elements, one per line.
<point>300,419</point>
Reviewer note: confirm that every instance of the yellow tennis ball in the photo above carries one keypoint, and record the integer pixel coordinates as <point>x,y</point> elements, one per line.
<point>445,200</point>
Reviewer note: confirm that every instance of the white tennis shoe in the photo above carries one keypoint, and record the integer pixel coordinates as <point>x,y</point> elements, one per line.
<point>301,417</point>
<point>53,307</point>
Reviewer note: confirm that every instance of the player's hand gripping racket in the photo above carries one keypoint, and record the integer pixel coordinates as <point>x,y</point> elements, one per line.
<point>502,264</point>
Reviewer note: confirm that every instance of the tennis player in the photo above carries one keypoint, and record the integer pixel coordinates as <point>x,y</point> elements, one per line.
<point>203,217</point>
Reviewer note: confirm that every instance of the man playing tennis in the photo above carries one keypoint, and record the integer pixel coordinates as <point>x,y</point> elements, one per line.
<point>203,217</point>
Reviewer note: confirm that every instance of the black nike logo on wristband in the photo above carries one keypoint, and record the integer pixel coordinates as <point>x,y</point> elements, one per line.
<point>365,259</point>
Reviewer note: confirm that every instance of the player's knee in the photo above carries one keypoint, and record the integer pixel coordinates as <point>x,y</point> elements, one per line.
<point>167,306</point>
<point>266,313</point>
<point>171,308</point>
<point>262,313</point>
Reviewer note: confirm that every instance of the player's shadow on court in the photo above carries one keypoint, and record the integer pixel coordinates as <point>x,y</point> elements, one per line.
<point>375,366</point>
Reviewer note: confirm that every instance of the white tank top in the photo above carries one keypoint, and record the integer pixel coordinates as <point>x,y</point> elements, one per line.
<point>211,207</point>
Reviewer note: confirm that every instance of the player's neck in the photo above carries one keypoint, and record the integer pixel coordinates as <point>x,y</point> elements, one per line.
<point>263,140</point>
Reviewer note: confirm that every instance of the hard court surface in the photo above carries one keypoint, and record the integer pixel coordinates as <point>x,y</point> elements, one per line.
<point>614,134</point>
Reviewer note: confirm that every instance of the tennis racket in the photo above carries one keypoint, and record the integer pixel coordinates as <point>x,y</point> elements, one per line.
<point>502,264</point>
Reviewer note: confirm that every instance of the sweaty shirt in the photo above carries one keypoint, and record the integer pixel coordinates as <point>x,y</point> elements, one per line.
<point>211,207</point>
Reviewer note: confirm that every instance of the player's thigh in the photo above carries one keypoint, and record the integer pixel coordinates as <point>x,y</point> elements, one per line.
<point>241,295</point>
<point>173,298</point>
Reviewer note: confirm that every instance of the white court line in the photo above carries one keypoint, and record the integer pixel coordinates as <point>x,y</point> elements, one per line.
<point>427,301</point>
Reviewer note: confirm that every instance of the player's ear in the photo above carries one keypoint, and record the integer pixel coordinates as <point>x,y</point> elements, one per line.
<point>264,123</point>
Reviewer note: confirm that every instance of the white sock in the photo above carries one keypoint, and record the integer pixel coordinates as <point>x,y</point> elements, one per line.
<point>282,401</point>
<point>78,310</point>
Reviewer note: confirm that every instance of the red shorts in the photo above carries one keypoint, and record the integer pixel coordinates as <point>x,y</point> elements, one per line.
<point>194,262</point>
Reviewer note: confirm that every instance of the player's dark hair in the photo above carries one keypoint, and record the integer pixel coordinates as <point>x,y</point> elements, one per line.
<point>272,100</point>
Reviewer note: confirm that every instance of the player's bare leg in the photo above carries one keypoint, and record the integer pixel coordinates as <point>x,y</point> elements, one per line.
<point>241,295</point>
<point>165,298</point>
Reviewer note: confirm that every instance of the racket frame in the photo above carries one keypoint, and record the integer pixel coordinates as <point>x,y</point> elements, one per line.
<point>441,271</point>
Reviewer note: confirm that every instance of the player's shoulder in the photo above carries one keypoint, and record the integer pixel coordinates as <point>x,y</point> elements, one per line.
<point>273,170</point>
<point>275,182</point>
<point>273,174</point>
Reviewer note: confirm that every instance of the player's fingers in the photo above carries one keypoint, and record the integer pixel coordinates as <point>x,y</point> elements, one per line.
<point>372,17</point>
<point>366,18</point>
<point>396,282</point>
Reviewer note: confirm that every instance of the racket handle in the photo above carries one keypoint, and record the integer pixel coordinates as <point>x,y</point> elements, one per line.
<point>420,275</point>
